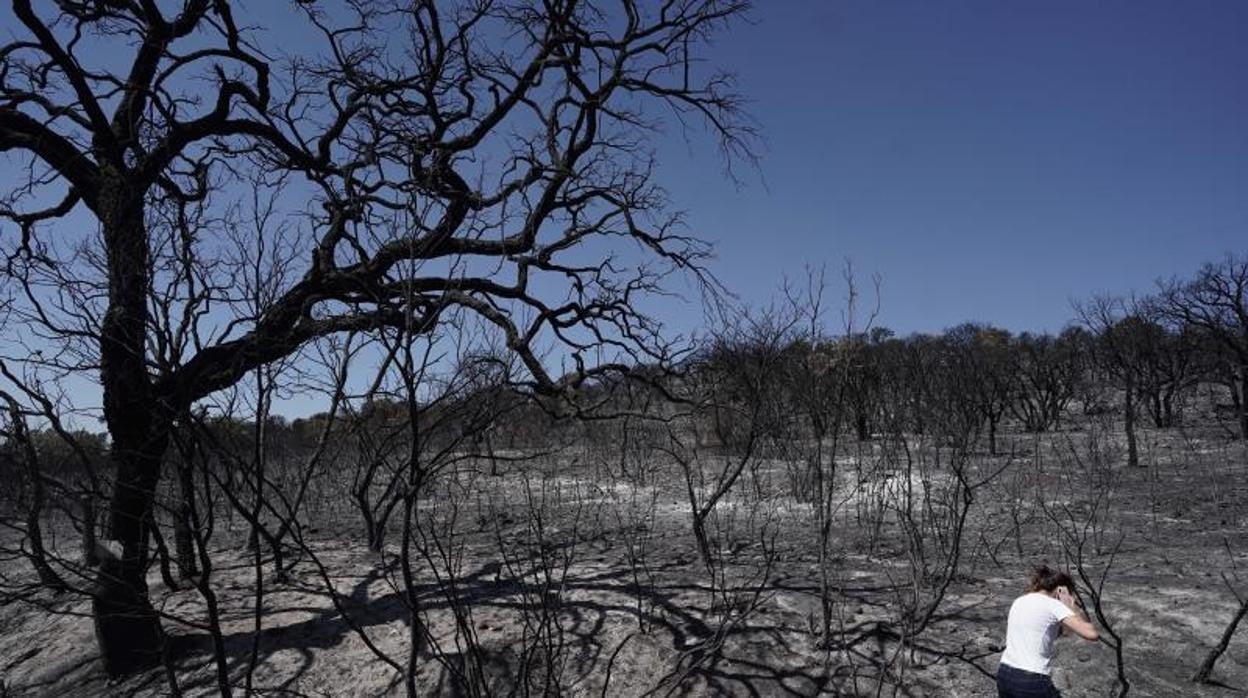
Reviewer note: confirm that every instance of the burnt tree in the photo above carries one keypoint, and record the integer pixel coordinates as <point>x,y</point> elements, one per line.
<point>1215,304</point>
<point>505,144</point>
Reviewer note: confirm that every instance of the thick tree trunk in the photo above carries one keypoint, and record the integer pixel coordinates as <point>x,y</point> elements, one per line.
<point>126,626</point>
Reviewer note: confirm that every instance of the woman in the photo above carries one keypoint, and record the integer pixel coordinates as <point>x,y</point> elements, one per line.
<point>1036,618</point>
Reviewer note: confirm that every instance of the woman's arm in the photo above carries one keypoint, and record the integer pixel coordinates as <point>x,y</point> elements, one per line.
<point>1077,622</point>
<point>1080,626</point>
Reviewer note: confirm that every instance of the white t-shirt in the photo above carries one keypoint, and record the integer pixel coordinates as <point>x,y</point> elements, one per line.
<point>1035,619</point>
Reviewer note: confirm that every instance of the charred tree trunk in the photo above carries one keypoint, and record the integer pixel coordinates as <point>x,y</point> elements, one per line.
<point>1241,402</point>
<point>126,626</point>
<point>183,540</point>
<point>379,522</point>
<point>90,551</point>
<point>1206,667</point>
<point>862,426</point>
<point>32,482</point>
<point>201,575</point>
<point>366,513</point>
<point>376,536</point>
<point>164,559</point>
<point>1153,406</point>
<point>992,436</point>
<point>1128,409</point>
<point>703,542</point>
<point>374,522</point>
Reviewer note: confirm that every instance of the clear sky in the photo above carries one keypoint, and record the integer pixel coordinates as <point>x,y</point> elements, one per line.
<point>991,160</point>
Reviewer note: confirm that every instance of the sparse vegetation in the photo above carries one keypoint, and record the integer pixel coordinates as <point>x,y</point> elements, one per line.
<point>444,233</point>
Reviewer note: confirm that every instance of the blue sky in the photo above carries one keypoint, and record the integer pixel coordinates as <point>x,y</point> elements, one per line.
<point>990,160</point>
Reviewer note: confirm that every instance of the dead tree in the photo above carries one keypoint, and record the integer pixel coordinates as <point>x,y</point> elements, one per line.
<point>1083,518</point>
<point>818,380</point>
<point>736,388</point>
<point>1122,338</point>
<point>54,469</point>
<point>984,354</point>
<point>864,377</point>
<point>1046,375</point>
<point>1215,302</point>
<point>1205,670</point>
<point>103,100</point>
<point>16,441</point>
<point>1169,370</point>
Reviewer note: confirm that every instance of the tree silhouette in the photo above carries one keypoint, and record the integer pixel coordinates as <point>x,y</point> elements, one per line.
<point>487,157</point>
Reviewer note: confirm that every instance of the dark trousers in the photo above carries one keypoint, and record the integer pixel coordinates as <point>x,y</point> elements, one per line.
<point>1016,683</point>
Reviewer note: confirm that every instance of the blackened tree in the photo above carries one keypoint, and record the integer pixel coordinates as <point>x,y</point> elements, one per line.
<point>1215,304</point>
<point>1047,371</point>
<point>431,156</point>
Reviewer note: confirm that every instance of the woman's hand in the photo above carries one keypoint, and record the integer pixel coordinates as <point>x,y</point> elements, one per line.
<point>1067,598</point>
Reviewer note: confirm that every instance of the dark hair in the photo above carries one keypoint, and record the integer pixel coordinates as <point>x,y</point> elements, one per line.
<point>1045,578</point>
